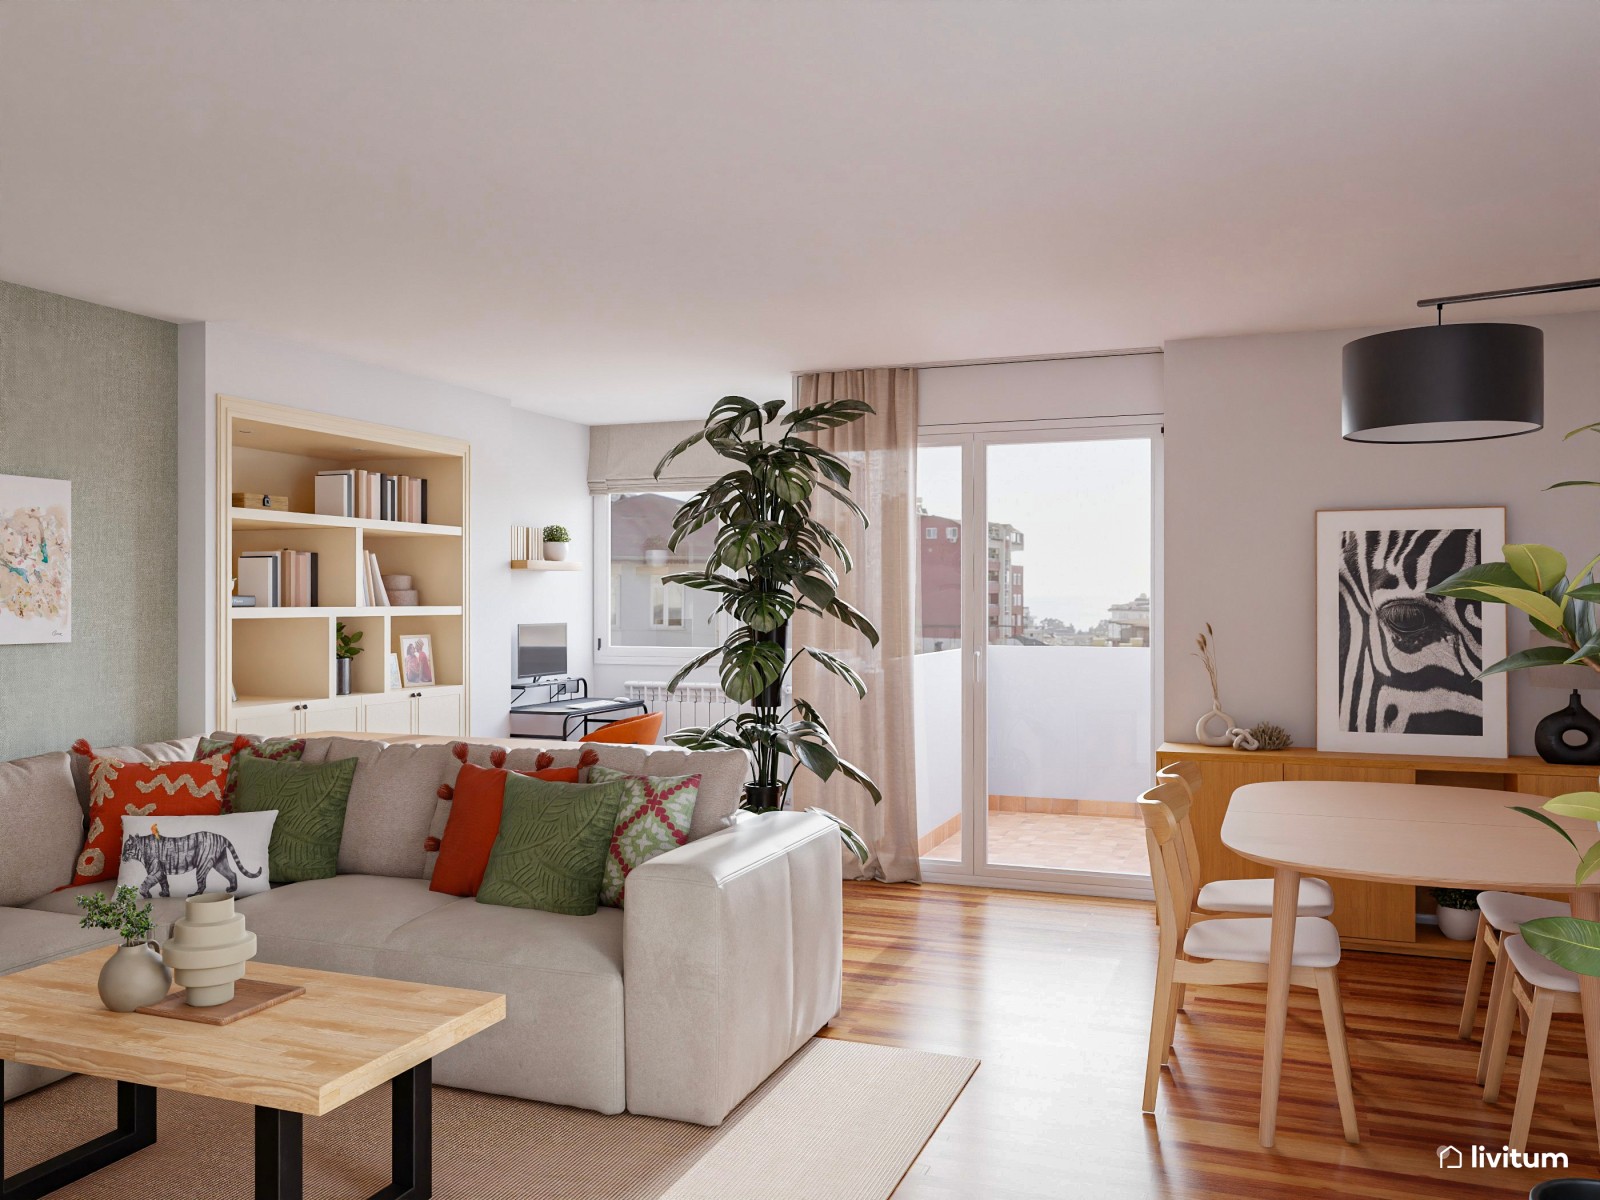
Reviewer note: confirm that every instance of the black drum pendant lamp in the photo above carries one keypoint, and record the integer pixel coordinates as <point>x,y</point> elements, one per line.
<point>1448,383</point>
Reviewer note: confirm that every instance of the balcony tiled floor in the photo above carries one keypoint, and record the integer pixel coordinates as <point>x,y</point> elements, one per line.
<point>1068,842</point>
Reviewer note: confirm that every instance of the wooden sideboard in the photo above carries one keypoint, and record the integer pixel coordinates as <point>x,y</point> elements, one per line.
<point>1370,916</point>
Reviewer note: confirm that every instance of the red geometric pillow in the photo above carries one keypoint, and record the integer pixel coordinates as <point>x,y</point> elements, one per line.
<point>118,789</point>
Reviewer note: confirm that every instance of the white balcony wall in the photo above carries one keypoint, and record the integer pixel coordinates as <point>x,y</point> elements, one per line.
<point>1065,722</point>
<point>1069,722</point>
<point>938,730</point>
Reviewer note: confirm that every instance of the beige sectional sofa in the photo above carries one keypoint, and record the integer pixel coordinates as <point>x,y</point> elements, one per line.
<point>727,958</point>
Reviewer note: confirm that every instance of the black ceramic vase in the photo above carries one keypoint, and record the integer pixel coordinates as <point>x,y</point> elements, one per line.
<point>1550,741</point>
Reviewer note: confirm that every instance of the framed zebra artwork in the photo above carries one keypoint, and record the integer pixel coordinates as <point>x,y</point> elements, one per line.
<point>1397,669</point>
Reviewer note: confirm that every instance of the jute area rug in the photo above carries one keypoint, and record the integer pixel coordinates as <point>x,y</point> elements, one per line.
<point>839,1121</point>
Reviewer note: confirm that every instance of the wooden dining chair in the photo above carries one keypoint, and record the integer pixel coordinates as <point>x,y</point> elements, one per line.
<point>1226,951</point>
<point>1540,989</point>
<point>1500,914</point>
<point>1246,897</point>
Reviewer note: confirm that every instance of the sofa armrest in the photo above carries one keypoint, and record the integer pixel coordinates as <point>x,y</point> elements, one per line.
<point>733,956</point>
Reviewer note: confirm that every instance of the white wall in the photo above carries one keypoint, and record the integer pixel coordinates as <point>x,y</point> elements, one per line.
<point>1253,450</point>
<point>525,468</point>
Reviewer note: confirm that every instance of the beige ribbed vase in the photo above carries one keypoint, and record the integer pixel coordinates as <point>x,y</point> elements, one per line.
<point>208,949</point>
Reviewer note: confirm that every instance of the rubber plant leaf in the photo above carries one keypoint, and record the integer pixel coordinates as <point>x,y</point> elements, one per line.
<point>1566,941</point>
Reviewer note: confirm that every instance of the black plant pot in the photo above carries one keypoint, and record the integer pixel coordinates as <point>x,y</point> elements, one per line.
<point>343,676</point>
<point>1550,741</point>
<point>762,796</point>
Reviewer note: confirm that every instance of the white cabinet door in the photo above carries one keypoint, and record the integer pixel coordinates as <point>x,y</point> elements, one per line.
<point>267,720</point>
<point>387,714</point>
<point>342,714</point>
<point>439,712</point>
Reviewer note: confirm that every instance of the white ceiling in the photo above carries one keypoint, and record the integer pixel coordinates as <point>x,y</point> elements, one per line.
<point>619,211</point>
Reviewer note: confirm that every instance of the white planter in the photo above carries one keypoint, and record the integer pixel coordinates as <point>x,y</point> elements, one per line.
<point>556,551</point>
<point>655,558</point>
<point>1458,924</point>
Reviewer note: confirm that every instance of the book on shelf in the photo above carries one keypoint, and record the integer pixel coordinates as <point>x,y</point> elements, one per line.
<point>336,493</point>
<point>375,588</point>
<point>259,575</point>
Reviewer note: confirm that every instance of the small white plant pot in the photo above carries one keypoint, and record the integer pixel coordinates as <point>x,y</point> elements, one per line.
<point>1214,729</point>
<point>555,551</point>
<point>655,558</point>
<point>1458,924</point>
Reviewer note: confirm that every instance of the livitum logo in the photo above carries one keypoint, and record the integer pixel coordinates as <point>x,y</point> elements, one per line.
<point>1451,1158</point>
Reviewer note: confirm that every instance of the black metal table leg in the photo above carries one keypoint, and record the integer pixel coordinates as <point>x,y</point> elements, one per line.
<point>136,1129</point>
<point>280,1150</point>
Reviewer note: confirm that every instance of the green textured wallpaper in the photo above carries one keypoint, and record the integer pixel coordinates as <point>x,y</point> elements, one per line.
<point>90,394</point>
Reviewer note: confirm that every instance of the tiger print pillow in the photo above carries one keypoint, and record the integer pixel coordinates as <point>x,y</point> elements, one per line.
<point>118,789</point>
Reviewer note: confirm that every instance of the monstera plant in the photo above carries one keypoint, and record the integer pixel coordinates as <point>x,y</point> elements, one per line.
<point>770,559</point>
<point>1560,605</point>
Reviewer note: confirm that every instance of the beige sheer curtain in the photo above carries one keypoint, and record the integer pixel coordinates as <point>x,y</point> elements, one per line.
<point>876,733</point>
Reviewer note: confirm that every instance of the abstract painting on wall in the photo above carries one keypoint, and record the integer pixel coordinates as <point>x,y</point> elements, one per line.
<point>35,560</point>
<point>1398,669</point>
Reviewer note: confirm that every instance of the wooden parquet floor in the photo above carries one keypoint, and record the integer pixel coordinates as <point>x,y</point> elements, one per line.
<point>1053,994</point>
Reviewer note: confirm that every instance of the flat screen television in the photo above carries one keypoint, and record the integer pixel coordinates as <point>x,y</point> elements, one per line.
<point>541,650</point>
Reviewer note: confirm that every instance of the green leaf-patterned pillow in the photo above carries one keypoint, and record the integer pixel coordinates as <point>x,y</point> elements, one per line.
<point>550,853</point>
<point>277,749</point>
<point>310,802</point>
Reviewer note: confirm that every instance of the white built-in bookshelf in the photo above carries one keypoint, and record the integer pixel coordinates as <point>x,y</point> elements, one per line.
<point>276,672</point>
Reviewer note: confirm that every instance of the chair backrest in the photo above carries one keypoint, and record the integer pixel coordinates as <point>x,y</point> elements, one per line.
<point>1164,840</point>
<point>1187,776</point>
<point>643,730</point>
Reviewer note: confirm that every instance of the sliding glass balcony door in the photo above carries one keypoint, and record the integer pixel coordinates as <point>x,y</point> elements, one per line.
<point>1035,672</point>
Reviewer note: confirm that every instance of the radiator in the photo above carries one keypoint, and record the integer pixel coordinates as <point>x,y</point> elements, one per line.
<point>691,704</point>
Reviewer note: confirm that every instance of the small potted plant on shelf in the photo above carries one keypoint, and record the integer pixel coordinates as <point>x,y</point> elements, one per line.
<point>655,551</point>
<point>346,650</point>
<point>556,538</point>
<point>1458,913</point>
<point>135,975</point>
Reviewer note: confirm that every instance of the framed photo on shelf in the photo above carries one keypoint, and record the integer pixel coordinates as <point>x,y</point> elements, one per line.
<point>416,659</point>
<point>392,661</point>
<point>1397,669</point>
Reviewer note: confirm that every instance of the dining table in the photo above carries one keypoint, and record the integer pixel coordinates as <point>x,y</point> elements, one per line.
<point>1453,837</point>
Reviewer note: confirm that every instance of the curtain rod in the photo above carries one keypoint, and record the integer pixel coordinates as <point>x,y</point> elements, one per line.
<point>987,362</point>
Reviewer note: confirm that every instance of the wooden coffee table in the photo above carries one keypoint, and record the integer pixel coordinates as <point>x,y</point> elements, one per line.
<point>305,1057</point>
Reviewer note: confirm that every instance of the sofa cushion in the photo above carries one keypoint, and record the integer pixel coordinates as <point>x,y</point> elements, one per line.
<point>164,910</point>
<point>28,938</point>
<point>392,801</point>
<point>176,750</point>
<point>310,800</point>
<point>193,856</point>
<point>335,924</point>
<point>655,817</point>
<point>43,826</point>
<point>722,774</point>
<point>119,788</point>
<point>561,1041</point>
<point>550,852</point>
<point>471,824</point>
<point>275,749</point>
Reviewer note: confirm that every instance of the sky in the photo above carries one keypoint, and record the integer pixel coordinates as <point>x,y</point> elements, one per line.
<point>1084,511</point>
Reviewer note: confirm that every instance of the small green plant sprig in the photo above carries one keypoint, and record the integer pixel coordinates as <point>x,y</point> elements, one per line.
<point>122,914</point>
<point>347,643</point>
<point>556,533</point>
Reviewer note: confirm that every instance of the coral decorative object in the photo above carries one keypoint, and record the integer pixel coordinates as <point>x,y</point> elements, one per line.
<point>208,949</point>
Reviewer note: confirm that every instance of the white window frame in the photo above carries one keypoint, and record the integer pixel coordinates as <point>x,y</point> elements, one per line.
<point>605,653</point>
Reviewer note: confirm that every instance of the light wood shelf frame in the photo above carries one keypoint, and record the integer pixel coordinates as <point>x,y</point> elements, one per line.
<point>274,448</point>
<point>1370,916</point>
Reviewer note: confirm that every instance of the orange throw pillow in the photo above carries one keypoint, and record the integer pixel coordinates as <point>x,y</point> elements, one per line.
<point>474,822</point>
<point>118,789</point>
